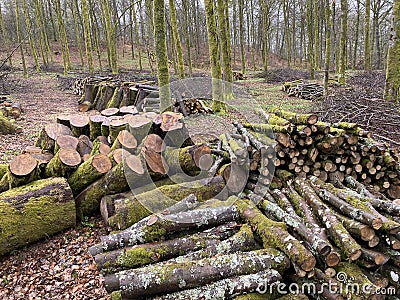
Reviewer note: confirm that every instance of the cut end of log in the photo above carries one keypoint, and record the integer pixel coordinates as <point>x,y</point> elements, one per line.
<point>134,163</point>
<point>70,157</point>
<point>102,163</point>
<point>23,165</point>
<point>332,259</point>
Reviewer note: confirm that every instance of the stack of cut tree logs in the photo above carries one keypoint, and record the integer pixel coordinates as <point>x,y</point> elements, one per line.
<point>185,232</point>
<point>111,96</point>
<point>9,112</point>
<point>307,91</point>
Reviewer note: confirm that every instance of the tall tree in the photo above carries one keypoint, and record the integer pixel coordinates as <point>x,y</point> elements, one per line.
<point>328,41</point>
<point>356,37</point>
<point>216,72</point>
<point>30,35</point>
<point>392,87</point>
<point>176,38</point>
<point>223,28</point>
<point>75,10</point>
<point>110,36</point>
<point>19,37</point>
<point>185,11</point>
<point>310,31</point>
<point>87,35</point>
<point>367,36</point>
<point>62,34</point>
<point>160,46</point>
<point>343,39</point>
<point>4,35</point>
<point>241,35</point>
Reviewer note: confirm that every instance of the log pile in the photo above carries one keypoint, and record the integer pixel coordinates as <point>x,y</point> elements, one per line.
<point>291,199</point>
<point>307,91</point>
<point>113,98</point>
<point>314,228</point>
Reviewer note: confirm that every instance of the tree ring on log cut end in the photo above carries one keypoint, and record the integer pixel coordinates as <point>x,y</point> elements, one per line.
<point>23,165</point>
<point>70,157</point>
<point>54,130</point>
<point>102,163</point>
<point>67,141</point>
<point>79,121</point>
<point>134,163</point>
<point>206,162</point>
<point>127,140</point>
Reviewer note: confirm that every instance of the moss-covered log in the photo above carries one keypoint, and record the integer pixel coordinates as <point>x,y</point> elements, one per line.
<point>95,126</point>
<point>49,134</point>
<point>7,127</point>
<point>88,172</point>
<point>63,163</point>
<point>146,254</point>
<point>181,160</point>
<point>126,141</point>
<point>140,126</point>
<point>337,232</point>
<point>274,234</point>
<point>153,280</point>
<point>157,227</point>
<point>297,119</point>
<point>122,210</point>
<point>66,141</point>
<point>35,211</point>
<point>227,288</point>
<point>79,125</point>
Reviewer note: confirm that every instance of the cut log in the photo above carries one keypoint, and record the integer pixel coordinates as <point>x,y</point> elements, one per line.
<point>140,126</point>
<point>95,126</point>
<point>155,228</point>
<point>88,172</point>
<point>128,110</point>
<point>226,288</point>
<point>64,120</point>
<point>64,162</point>
<point>194,274</point>
<point>22,170</point>
<point>7,127</point>
<point>155,143</point>
<point>172,130</point>
<point>275,234</point>
<point>109,112</point>
<point>85,146</point>
<point>145,254</point>
<point>122,210</point>
<point>116,126</point>
<point>49,134</point>
<point>34,212</point>
<point>79,125</point>
<point>65,142</point>
<point>126,141</point>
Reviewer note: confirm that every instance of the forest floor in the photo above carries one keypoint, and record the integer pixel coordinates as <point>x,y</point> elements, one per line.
<point>60,267</point>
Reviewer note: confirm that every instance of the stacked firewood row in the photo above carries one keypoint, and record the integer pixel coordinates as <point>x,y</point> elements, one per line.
<point>307,91</point>
<point>110,95</point>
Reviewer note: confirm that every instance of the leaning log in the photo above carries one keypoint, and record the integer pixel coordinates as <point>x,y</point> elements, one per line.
<point>63,163</point>
<point>49,134</point>
<point>122,210</point>
<point>35,211</point>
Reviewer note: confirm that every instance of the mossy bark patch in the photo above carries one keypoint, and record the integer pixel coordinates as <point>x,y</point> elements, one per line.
<point>35,211</point>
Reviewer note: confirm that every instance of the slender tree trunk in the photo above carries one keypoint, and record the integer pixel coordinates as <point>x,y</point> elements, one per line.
<point>367,36</point>
<point>30,35</point>
<point>328,16</point>
<point>75,10</point>
<point>185,7</point>
<point>216,72</point>
<point>41,30</point>
<point>241,36</point>
<point>392,87</point>
<point>63,37</point>
<point>19,36</point>
<point>110,34</point>
<point>265,26</point>
<point>343,40</point>
<point>310,30</point>
<point>356,35</point>
<point>4,35</point>
<point>53,26</point>
<point>317,40</point>
<point>87,35</point>
<point>175,34</point>
<point>223,30</point>
<point>95,32</point>
<point>160,46</point>
<point>138,43</point>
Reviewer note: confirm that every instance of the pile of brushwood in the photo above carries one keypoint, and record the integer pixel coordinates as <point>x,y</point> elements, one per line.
<point>292,199</point>
<point>280,75</point>
<point>307,91</point>
<point>9,112</point>
<point>360,101</point>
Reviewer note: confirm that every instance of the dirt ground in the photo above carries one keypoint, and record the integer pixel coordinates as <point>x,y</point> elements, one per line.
<point>41,101</point>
